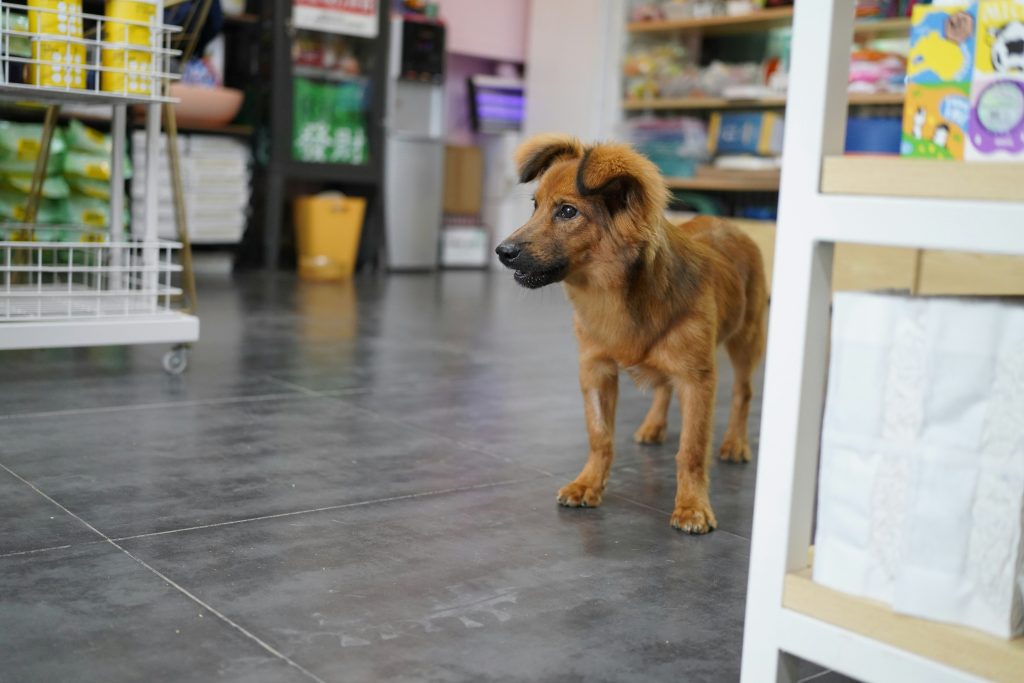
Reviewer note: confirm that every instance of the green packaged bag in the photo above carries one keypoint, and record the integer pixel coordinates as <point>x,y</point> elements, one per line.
<point>311,127</point>
<point>21,141</point>
<point>14,207</point>
<point>54,187</point>
<point>81,138</point>
<point>88,211</point>
<point>87,187</point>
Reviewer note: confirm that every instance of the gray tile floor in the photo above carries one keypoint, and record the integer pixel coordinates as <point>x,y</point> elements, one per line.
<point>351,483</point>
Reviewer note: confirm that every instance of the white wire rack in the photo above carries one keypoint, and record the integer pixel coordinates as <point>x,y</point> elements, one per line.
<point>58,289</point>
<point>43,281</point>
<point>85,58</point>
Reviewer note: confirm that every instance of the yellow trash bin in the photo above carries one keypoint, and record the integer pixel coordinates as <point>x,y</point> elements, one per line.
<point>327,231</point>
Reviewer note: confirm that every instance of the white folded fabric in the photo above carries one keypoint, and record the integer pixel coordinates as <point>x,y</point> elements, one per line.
<point>921,486</point>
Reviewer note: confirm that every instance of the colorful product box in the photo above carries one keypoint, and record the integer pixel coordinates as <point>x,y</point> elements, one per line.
<point>757,133</point>
<point>936,110</point>
<point>935,120</point>
<point>942,44</point>
<point>996,129</point>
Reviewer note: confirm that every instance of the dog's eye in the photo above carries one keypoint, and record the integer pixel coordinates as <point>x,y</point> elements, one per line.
<point>567,211</point>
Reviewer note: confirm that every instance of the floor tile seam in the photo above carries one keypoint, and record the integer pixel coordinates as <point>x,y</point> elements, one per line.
<point>227,400</point>
<point>166,579</point>
<point>430,432</point>
<point>279,515</point>
<point>651,508</point>
<point>326,508</point>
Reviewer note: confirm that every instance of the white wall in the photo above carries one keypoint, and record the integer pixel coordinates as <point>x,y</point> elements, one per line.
<point>573,62</point>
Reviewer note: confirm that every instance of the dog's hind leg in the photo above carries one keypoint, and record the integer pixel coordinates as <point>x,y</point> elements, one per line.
<point>599,381</point>
<point>655,426</point>
<point>735,446</point>
<point>745,352</point>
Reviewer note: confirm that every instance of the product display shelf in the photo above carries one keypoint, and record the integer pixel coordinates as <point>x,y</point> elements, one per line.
<point>114,292</point>
<point>787,614</point>
<point>772,102</point>
<point>758,21</point>
<point>724,184</point>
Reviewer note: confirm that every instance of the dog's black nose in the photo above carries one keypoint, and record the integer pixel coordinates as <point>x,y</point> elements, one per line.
<point>507,252</point>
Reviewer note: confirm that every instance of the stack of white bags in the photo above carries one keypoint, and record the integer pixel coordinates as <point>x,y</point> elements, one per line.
<point>921,489</point>
<point>216,180</point>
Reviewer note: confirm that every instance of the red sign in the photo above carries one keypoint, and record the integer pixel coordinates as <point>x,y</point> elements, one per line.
<point>350,17</point>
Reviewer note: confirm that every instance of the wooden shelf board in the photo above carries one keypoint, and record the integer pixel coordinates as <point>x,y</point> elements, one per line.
<point>904,177</point>
<point>758,21</point>
<point>894,25</point>
<point>755,21</point>
<point>856,99</point>
<point>961,648</point>
<point>860,99</point>
<point>723,184</point>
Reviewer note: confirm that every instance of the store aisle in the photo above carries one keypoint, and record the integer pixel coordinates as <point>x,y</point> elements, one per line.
<point>351,484</point>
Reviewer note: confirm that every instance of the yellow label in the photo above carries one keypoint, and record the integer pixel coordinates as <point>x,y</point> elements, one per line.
<point>95,136</point>
<point>97,170</point>
<point>27,149</point>
<point>93,237</point>
<point>94,218</point>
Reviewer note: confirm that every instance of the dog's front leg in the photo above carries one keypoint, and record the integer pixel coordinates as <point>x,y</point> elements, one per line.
<point>693,512</point>
<point>599,381</point>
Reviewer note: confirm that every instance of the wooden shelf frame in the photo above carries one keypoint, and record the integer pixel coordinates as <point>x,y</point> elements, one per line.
<point>811,222</point>
<point>698,183</point>
<point>961,648</point>
<point>773,102</point>
<point>760,21</point>
<point>903,177</point>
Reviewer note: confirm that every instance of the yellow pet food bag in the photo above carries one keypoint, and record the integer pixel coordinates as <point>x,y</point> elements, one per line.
<point>133,69</point>
<point>62,61</point>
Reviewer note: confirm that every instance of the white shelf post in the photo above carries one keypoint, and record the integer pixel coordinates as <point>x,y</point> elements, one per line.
<point>796,367</point>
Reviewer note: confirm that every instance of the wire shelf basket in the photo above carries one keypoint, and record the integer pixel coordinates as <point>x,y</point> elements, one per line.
<point>53,51</point>
<point>72,280</point>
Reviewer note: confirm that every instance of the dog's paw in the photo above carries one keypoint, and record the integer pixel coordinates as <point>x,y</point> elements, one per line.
<point>651,433</point>
<point>735,450</point>
<point>697,519</point>
<point>577,495</point>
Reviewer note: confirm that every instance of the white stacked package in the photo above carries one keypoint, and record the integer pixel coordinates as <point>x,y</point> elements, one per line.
<point>921,487</point>
<point>216,178</point>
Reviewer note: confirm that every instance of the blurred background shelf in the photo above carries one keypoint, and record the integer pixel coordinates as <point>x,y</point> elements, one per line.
<point>757,21</point>
<point>701,103</point>
<point>739,183</point>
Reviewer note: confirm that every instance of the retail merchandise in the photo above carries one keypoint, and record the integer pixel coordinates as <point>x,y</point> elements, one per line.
<point>215,175</point>
<point>996,128</point>
<point>937,106</point>
<point>921,483</point>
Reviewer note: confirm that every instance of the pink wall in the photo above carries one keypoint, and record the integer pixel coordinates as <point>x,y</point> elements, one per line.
<point>458,126</point>
<point>494,29</point>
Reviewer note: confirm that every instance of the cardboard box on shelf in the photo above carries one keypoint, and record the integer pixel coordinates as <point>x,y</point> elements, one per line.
<point>463,180</point>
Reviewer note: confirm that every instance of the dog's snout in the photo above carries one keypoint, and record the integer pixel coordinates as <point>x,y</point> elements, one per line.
<point>507,252</point>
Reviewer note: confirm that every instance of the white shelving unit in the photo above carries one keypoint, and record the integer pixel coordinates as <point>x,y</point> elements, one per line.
<point>118,291</point>
<point>825,199</point>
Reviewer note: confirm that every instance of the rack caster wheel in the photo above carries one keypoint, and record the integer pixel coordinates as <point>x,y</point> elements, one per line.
<point>176,360</point>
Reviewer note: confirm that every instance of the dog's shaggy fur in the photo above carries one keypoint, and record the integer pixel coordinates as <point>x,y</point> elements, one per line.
<point>649,296</point>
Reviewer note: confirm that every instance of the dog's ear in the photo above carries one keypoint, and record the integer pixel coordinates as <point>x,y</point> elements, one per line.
<point>538,153</point>
<point>625,179</point>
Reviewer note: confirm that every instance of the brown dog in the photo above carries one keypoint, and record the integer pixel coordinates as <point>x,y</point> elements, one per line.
<point>649,296</point>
